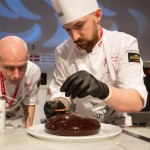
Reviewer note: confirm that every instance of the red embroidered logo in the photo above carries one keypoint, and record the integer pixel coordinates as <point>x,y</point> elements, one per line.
<point>100,43</point>
<point>114,58</point>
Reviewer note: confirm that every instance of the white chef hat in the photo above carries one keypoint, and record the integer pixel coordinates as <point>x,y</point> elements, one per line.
<point>71,10</point>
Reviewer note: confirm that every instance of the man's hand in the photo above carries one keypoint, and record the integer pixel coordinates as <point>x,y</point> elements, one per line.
<point>50,106</point>
<point>29,116</point>
<point>82,84</point>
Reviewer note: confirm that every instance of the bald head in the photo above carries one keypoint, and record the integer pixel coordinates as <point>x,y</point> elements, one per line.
<point>13,58</point>
<point>12,45</point>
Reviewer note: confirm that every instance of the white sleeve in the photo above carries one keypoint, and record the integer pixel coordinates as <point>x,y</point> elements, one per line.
<point>31,98</point>
<point>130,72</point>
<point>59,78</point>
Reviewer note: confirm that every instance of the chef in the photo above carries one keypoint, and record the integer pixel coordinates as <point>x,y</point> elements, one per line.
<point>98,70</point>
<point>19,82</point>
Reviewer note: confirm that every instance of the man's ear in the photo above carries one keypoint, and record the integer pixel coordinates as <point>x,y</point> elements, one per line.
<point>98,14</point>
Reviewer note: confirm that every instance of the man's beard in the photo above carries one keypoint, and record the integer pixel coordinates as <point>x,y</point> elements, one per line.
<point>89,44</point>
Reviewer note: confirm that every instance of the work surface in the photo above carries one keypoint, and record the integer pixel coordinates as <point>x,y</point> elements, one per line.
<point>19,139</point>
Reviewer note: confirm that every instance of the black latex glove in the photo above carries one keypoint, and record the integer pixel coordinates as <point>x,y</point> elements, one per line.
<point>50,106</point>
<point>82,84</point>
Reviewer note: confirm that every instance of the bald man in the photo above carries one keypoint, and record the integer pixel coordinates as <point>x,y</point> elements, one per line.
<point>20,80</point>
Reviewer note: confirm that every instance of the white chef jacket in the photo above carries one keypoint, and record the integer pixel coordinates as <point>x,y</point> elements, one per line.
<point>109,62</point>
<point>27,95</point>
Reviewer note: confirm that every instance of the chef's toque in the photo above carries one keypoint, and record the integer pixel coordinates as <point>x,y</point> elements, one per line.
<point>71,10</point>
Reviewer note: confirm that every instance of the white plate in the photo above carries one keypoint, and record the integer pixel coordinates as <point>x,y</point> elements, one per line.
<point>106,131</point>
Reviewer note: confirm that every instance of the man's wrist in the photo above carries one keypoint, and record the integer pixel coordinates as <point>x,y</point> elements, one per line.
<point>109,95</point>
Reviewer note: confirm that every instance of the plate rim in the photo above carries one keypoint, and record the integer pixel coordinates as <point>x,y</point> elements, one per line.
<point>32,131</point>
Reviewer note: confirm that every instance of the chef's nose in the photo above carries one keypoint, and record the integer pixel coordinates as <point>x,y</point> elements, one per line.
<point>75,35</point>
<point>16,73</point>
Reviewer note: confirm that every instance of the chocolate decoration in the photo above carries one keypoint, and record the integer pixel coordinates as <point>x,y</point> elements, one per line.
<point>72,124</point>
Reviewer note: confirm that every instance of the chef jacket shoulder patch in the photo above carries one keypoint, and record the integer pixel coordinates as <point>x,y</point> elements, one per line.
<point>133,57</point>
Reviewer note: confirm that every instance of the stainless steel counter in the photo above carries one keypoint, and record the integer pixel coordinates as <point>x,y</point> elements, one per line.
<point>19,139</point>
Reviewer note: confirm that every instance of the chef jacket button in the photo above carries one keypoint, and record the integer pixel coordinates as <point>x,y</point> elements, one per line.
<point>7,105</point>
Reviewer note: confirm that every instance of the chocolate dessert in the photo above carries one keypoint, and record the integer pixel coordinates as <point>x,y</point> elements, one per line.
<point>72,124</point>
